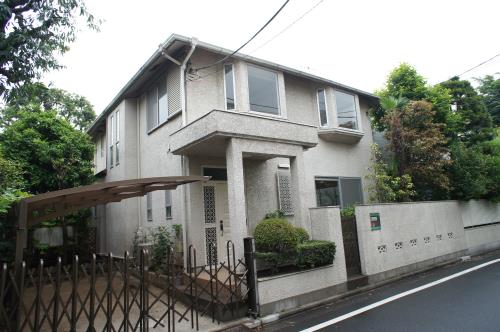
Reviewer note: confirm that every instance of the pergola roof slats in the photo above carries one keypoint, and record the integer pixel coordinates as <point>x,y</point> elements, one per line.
<point>62,202</point>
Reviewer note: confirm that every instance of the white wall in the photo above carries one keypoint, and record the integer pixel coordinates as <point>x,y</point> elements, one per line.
<point>436,226</point>
<point>482,231</point>
<point>287,291</point>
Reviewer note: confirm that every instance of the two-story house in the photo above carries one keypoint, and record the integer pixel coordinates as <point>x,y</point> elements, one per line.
<point>269,136</point>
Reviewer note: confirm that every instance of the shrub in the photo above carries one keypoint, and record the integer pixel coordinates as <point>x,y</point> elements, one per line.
<point>274,260</point>
<point>275,235</point>
<point>302,235</point>
<point>162,241</point>
<point>348,211</point>
<point>315,253</point>
<point>276,214</point>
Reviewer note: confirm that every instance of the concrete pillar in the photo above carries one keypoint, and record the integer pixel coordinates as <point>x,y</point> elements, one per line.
<point>236,196</point>
<point>298,186</point>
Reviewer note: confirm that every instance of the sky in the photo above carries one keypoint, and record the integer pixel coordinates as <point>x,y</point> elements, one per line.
<point>353,42</point>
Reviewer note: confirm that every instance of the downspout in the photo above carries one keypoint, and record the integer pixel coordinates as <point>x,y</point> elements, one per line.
<point>194,42</point>
<point>184,160</point>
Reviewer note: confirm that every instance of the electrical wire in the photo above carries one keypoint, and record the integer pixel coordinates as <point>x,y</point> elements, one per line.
<point>248,41</point>
<point>198,77</point>
<point>479,65</point>
<point>286,28</point>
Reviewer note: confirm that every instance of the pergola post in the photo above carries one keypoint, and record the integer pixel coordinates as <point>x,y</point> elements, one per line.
<point>21,236</point>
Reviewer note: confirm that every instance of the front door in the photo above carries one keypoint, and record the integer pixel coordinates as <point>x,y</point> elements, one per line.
<point>216,213</point>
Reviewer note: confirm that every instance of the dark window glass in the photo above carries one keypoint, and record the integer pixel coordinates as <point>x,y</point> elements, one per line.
<point>351,191</point>
<point>322,108</point>
<point>152,108</point>
<point>346,110</point>
<point>263,90</point>
<point>229,82</point>
<point>327,192</point>
<point>216,174</point>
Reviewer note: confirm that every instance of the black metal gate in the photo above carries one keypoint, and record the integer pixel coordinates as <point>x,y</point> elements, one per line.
<point>351,248</point>
<point>122,294</point>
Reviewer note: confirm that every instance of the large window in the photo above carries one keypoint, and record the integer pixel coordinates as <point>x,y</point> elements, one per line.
<point>338,191</point>
<point>263,90</point>
<point>323,116</point>
<point>346,110</point>
<point>229,86</point>
<point>157,104</point>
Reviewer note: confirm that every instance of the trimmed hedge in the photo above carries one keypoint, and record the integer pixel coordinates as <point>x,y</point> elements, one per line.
<point>315,253</point>
<point>275,235</point>
<point>302,235</point>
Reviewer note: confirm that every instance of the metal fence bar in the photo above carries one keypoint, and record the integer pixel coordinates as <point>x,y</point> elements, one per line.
<point>39,286</point>
<point>125,292</point>
<point>92,294</point>
<point>57,290</point>
<point>109,295</point>
<point>74,293</point>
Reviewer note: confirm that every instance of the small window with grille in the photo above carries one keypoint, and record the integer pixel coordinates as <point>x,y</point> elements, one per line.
<point>284,190</point>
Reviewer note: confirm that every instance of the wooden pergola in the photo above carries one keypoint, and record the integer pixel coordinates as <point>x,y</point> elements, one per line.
<point>54,204</point>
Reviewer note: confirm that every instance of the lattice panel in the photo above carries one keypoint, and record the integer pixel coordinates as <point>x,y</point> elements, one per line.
<point>209,202</point>
<point>285,193</point>
<point>211,250</point>
<point>174,90</point>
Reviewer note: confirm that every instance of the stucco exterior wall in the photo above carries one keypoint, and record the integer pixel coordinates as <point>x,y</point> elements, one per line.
<point>278,293</point>
<point>410,233</point>
<point>479,212</point>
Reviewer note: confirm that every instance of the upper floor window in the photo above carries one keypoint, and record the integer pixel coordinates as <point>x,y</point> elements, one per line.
<point>117,138</point>
<point>323,116</point>
<point>346,110</point>
<point>229,86</point>
<point>157,104</point>
<point>263,90</point>
<point>111,137</point>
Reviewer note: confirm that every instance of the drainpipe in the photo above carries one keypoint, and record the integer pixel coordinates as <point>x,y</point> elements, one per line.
<point>194,42</point>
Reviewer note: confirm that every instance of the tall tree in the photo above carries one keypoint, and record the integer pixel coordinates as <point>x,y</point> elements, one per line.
<point>76,109</point>
<point>490,89</point>
<point>469,122</point>
<point>405,83</point>
<point>419,148</point>
<point>33,31</point>
<point>52,155</point>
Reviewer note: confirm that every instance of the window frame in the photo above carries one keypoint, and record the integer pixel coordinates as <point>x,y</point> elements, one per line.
<point>111,138</point>
<point>154,87</point>
<point>326,108</point>
<point>278,92</point>
<point>117,137</point>
<point>339,180</point>
<point>149,207</point>
<point>168,204</point>
<point>225,86</point>
<point>356,110</point>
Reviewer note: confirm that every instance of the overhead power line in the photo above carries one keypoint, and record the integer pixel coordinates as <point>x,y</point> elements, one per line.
<point>286,28</point>
<point>479,65</point>
<point>248,41</point>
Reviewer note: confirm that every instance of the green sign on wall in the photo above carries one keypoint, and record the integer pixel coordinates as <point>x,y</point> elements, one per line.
<point>375,221</point>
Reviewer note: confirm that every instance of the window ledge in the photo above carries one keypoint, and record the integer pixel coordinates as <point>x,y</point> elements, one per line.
<point>340,135</point>
<point>170,118</point>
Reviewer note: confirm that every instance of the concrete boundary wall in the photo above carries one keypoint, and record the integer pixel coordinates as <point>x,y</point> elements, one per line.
<point>283,292</point>
<point>409,234</point>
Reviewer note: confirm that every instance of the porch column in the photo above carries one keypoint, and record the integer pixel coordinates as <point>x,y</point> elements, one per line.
<point>298,186</point>
<point>236,195</point>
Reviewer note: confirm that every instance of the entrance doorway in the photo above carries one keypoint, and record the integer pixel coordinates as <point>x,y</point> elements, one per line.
<point>351,248</point>
<point>216,220</point>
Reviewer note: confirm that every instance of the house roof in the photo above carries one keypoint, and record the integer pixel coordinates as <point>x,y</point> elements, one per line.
<point>176,42</point>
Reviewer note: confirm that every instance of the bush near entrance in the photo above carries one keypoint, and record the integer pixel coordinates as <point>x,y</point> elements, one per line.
<point>280,244</point>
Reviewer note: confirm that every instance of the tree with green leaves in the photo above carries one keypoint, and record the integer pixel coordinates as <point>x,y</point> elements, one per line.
<point>419,148</point>
<point>469,121</point>
<point>404,83</point>
<point>33,32</point>
<point>51,154</point>
<point>489,87</point>
<point>76,109</point>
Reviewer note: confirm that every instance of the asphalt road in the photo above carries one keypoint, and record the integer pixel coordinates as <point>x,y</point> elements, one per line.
<point>470,302</point>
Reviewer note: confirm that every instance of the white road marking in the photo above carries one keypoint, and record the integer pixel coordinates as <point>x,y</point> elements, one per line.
<point>397,296</point>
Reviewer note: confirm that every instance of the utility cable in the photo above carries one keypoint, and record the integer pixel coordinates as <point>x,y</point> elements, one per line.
<point>245,44</point>
<point>479,65</point>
